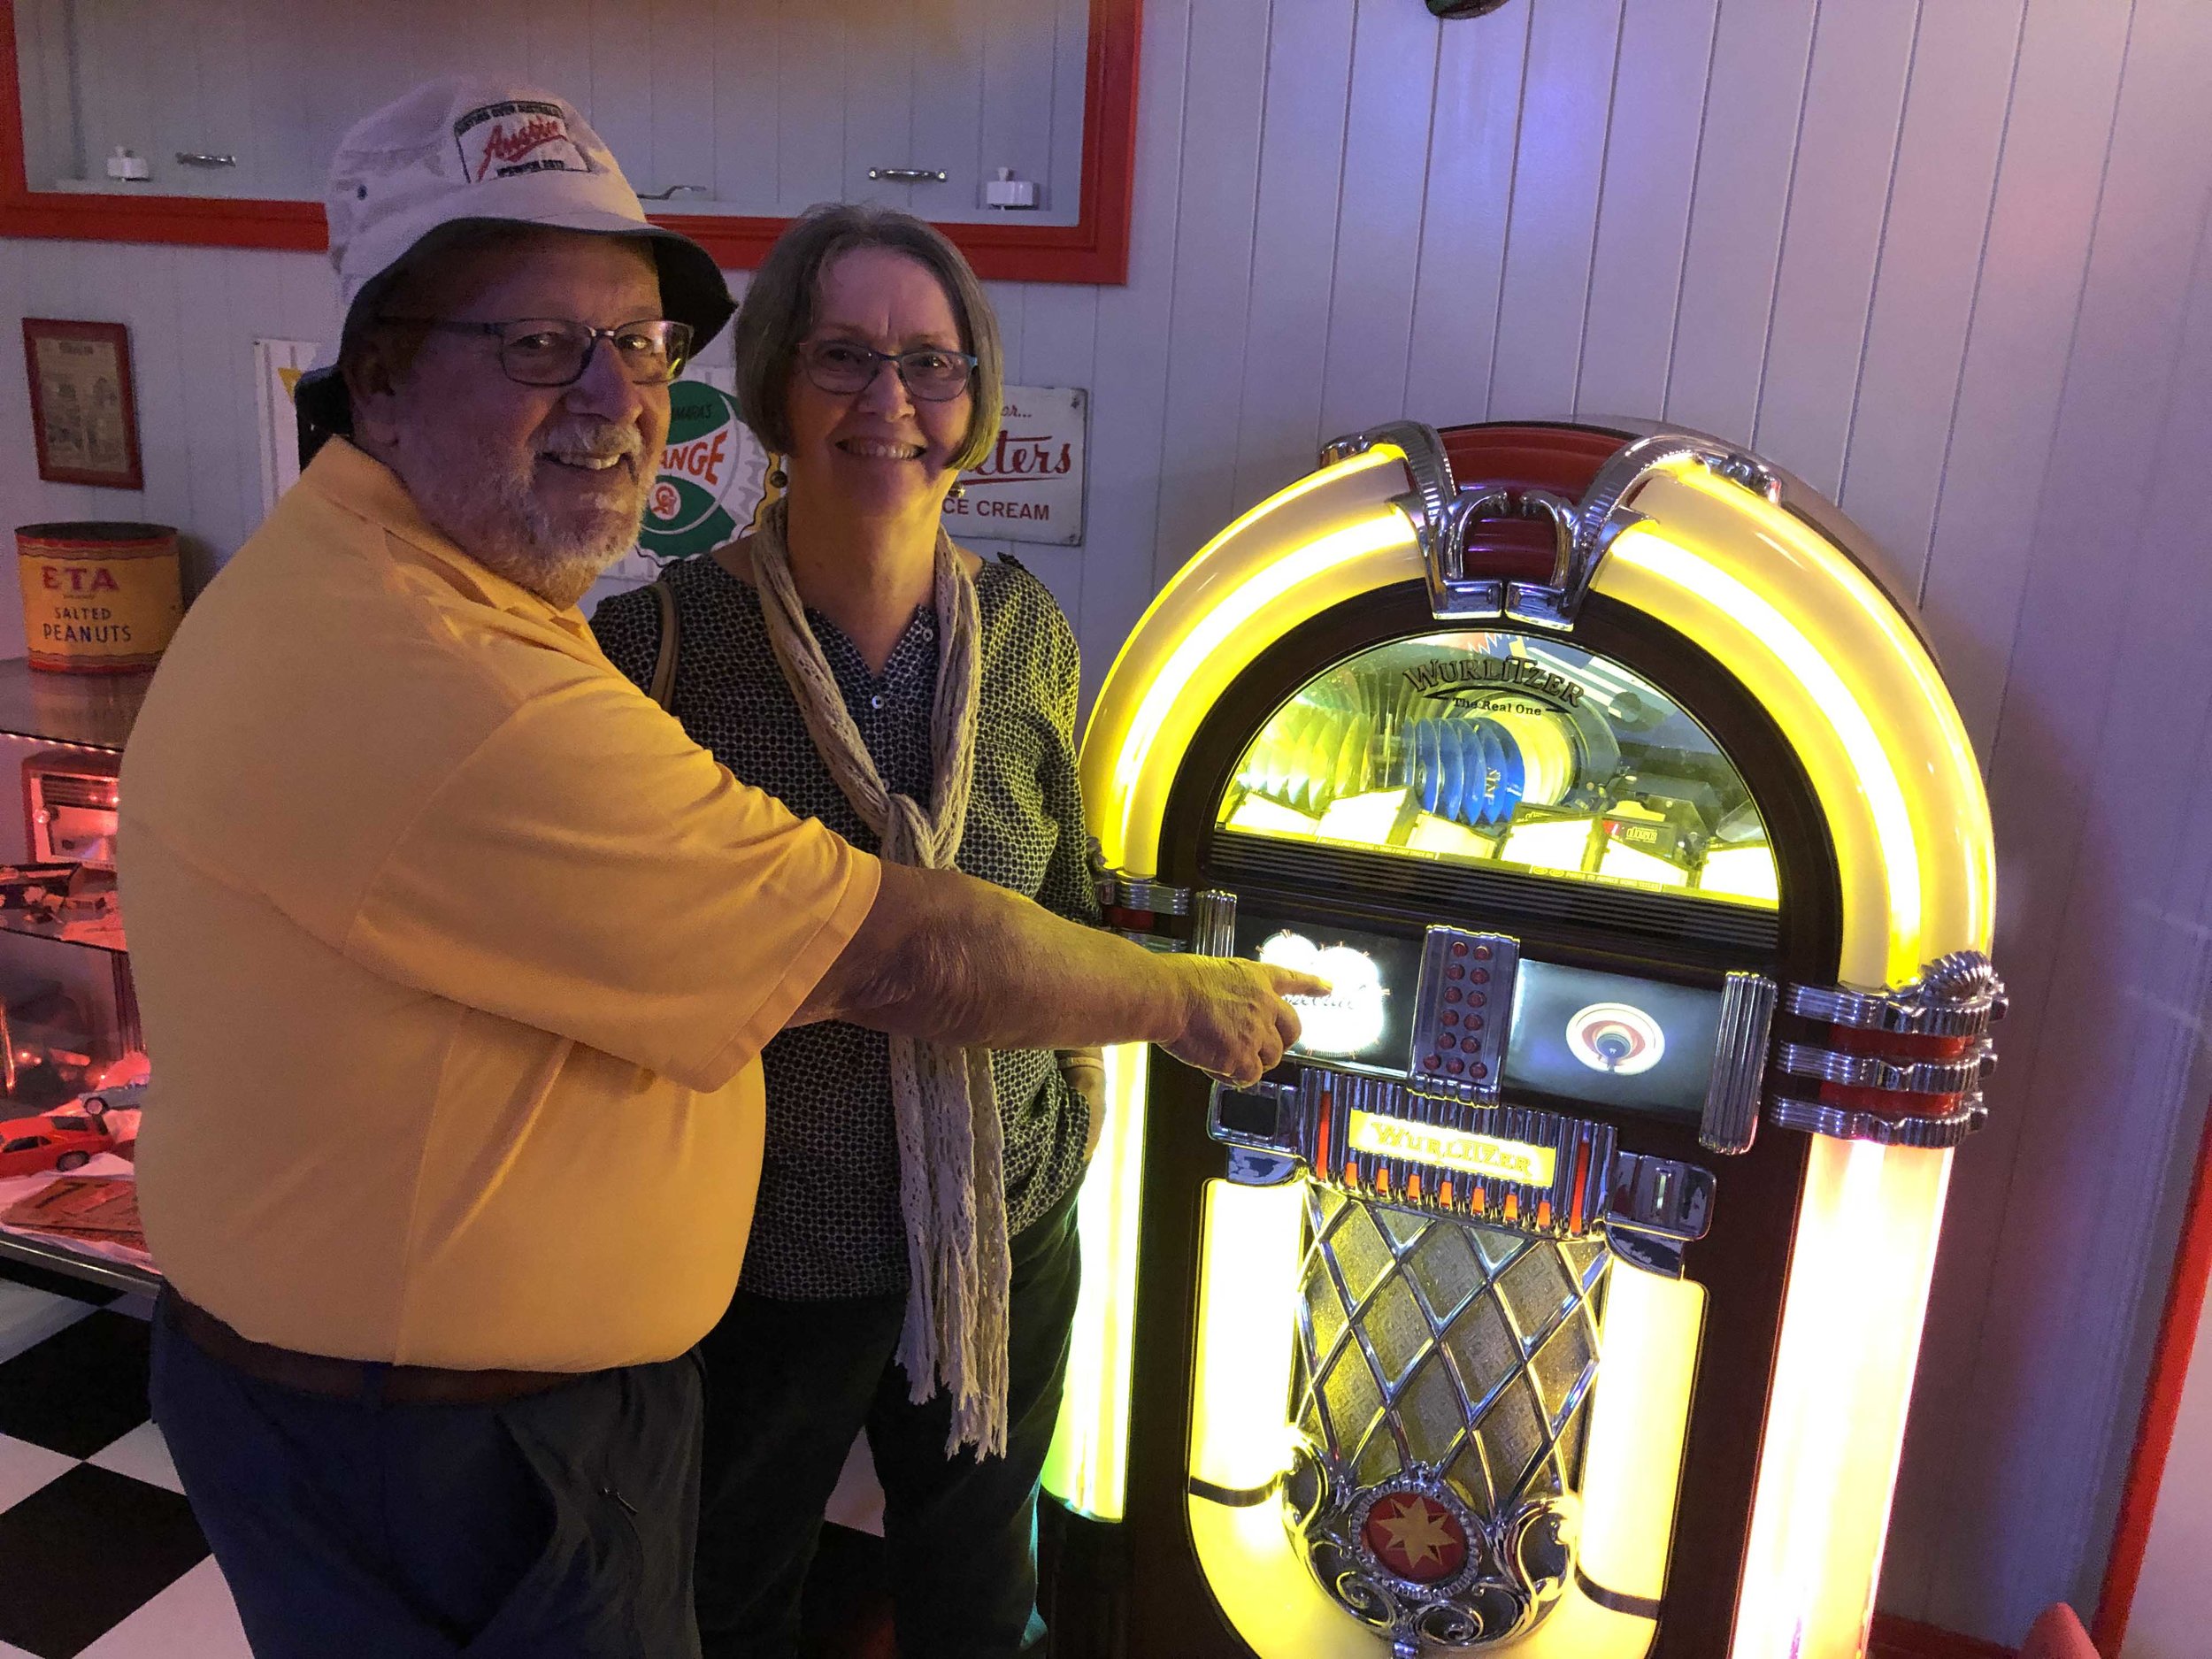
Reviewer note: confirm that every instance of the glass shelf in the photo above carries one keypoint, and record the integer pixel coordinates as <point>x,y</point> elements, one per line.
<point>95,710</point>
<point>110,940</point>
<point>56,1256</point>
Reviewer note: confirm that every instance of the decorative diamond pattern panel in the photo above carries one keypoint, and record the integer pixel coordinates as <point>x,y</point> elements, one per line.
<point>1455,1347</point>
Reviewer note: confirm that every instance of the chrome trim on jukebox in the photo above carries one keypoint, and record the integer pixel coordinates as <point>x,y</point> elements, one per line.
<point>1603,513</point>
<point>1458,1161</point>
<point>1462,1005</point>
<point>1140,893</point>
<point>1957,995</point>
<point>1213,928</point>
<point>1872,1070</point>
<point>1432,508</point>
<point>1731,1118</point>
<point>1843,1124</point>
<point>1954,997</point>
<point>1524,601</point>
<point>1440,512</point>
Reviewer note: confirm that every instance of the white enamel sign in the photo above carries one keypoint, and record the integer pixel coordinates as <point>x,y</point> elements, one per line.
<point>1030,486</point>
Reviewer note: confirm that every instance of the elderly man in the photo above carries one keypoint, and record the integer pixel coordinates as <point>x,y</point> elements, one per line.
<point>455,954</point>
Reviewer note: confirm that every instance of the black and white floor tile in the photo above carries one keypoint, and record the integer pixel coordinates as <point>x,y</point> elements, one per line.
<point>99,1556</point>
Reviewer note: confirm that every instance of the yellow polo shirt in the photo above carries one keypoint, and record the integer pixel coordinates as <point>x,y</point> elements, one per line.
<point>455,956</point>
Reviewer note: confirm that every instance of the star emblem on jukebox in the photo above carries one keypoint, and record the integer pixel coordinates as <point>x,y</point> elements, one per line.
<point>1415,1537</point>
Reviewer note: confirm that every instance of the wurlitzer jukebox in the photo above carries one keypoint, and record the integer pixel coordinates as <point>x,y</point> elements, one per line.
<point>1560,1295</point>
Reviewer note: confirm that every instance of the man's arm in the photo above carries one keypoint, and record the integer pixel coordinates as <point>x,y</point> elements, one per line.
<point>949,958</point>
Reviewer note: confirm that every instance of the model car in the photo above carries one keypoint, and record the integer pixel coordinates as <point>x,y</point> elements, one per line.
<point>64,1138</point>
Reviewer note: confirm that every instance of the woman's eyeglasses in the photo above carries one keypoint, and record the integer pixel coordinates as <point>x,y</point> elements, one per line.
<point>551,351</point>
<point>843,367</point>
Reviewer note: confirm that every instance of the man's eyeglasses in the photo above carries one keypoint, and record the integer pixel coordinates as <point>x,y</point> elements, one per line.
<point>552,351</point>
<point>843,367</point>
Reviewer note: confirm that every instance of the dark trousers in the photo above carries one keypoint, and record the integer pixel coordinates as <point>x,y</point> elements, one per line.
<point>790,1384</point>
<point>559,1526</point>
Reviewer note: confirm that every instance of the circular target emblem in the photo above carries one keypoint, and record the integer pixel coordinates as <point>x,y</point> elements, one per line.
<point>1618,1038</point>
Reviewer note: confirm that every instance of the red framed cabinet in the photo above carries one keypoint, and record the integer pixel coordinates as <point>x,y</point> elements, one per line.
<point>1093,249</point>
<point>2155,1599</point>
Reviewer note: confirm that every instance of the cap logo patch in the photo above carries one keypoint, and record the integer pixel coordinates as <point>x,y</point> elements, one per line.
<point>501,140</point>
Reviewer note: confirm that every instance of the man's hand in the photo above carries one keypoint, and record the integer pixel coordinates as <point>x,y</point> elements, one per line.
<point>1237,1024</point>
<point>947,958</point>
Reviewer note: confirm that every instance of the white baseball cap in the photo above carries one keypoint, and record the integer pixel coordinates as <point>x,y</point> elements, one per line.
<point>464,151</point>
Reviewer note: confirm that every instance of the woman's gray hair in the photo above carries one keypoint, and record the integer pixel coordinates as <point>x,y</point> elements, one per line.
<point>778,312</point>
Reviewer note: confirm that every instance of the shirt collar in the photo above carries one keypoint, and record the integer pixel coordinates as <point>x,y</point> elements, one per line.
<point>358,483</point>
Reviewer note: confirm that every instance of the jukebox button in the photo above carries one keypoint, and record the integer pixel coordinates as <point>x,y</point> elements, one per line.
<point>1457,970</point>
<point>1432,1063</point>
<point>1445,1040</point>
<point>1456,1067</point>
<point>1450,1016</point>
<point>1481,1070</point>
<point>1453,994</point>
<point>1459,948</point>
<point>1476,999</point>
<point>1482,953</point>
<point>1482,976</point>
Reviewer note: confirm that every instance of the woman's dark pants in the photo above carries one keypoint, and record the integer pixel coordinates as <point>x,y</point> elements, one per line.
<point>789,1384</point>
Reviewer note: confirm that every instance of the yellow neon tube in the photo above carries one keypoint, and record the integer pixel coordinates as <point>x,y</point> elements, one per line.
<point>1851,1328</point>
<point>1248,1247</point>
<point>1860,701</point>
<point>1895,846</point>
<point>1331,535</point>
<point>1087,1468</point>
<point>1812,638</point>
<point>1631,1468</point>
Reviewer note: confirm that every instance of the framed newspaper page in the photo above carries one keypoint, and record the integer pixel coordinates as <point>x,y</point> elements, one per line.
<point>83,415</point>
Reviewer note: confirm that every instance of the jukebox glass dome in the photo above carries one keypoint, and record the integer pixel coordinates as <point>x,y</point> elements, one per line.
<point>1500,748</point>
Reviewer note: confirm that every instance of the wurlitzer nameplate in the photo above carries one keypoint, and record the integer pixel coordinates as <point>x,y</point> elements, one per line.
<point>1461,1010</point>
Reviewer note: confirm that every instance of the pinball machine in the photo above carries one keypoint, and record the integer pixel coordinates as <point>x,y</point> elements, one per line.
<point>1560,1294</point>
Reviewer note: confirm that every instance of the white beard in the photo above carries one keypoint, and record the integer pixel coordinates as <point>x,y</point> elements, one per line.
<point>485,499</point>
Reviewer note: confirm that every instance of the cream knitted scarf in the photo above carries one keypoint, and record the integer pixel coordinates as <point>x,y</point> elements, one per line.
<point>952,1189</point>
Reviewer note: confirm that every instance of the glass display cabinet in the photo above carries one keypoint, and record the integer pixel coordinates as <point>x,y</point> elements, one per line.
<point>68,1014</point>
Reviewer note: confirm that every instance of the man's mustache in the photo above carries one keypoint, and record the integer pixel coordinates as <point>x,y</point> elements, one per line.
<point>593,438</point>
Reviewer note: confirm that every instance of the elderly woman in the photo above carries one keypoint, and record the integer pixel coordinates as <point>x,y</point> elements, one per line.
<point>912,1269</point>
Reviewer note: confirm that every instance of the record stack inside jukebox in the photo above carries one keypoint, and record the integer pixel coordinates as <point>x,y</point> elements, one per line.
<point>1560,1294</point>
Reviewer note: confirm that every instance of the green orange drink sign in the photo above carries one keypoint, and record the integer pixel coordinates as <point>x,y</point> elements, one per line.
<point>710,476</point>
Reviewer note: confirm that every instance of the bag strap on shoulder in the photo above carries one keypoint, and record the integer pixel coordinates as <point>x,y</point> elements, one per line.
<point>662,689</point>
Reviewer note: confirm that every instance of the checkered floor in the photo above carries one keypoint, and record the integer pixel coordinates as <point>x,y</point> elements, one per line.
<point>99,1555</point>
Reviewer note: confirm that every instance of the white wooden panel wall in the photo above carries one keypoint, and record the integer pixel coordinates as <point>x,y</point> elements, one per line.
<point>1947,257</point>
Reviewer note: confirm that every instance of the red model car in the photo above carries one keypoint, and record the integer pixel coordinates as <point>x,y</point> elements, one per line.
<point>64,1138</point>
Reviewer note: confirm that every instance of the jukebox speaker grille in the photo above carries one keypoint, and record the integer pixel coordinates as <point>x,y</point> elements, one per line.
<point>1442,1388</point>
